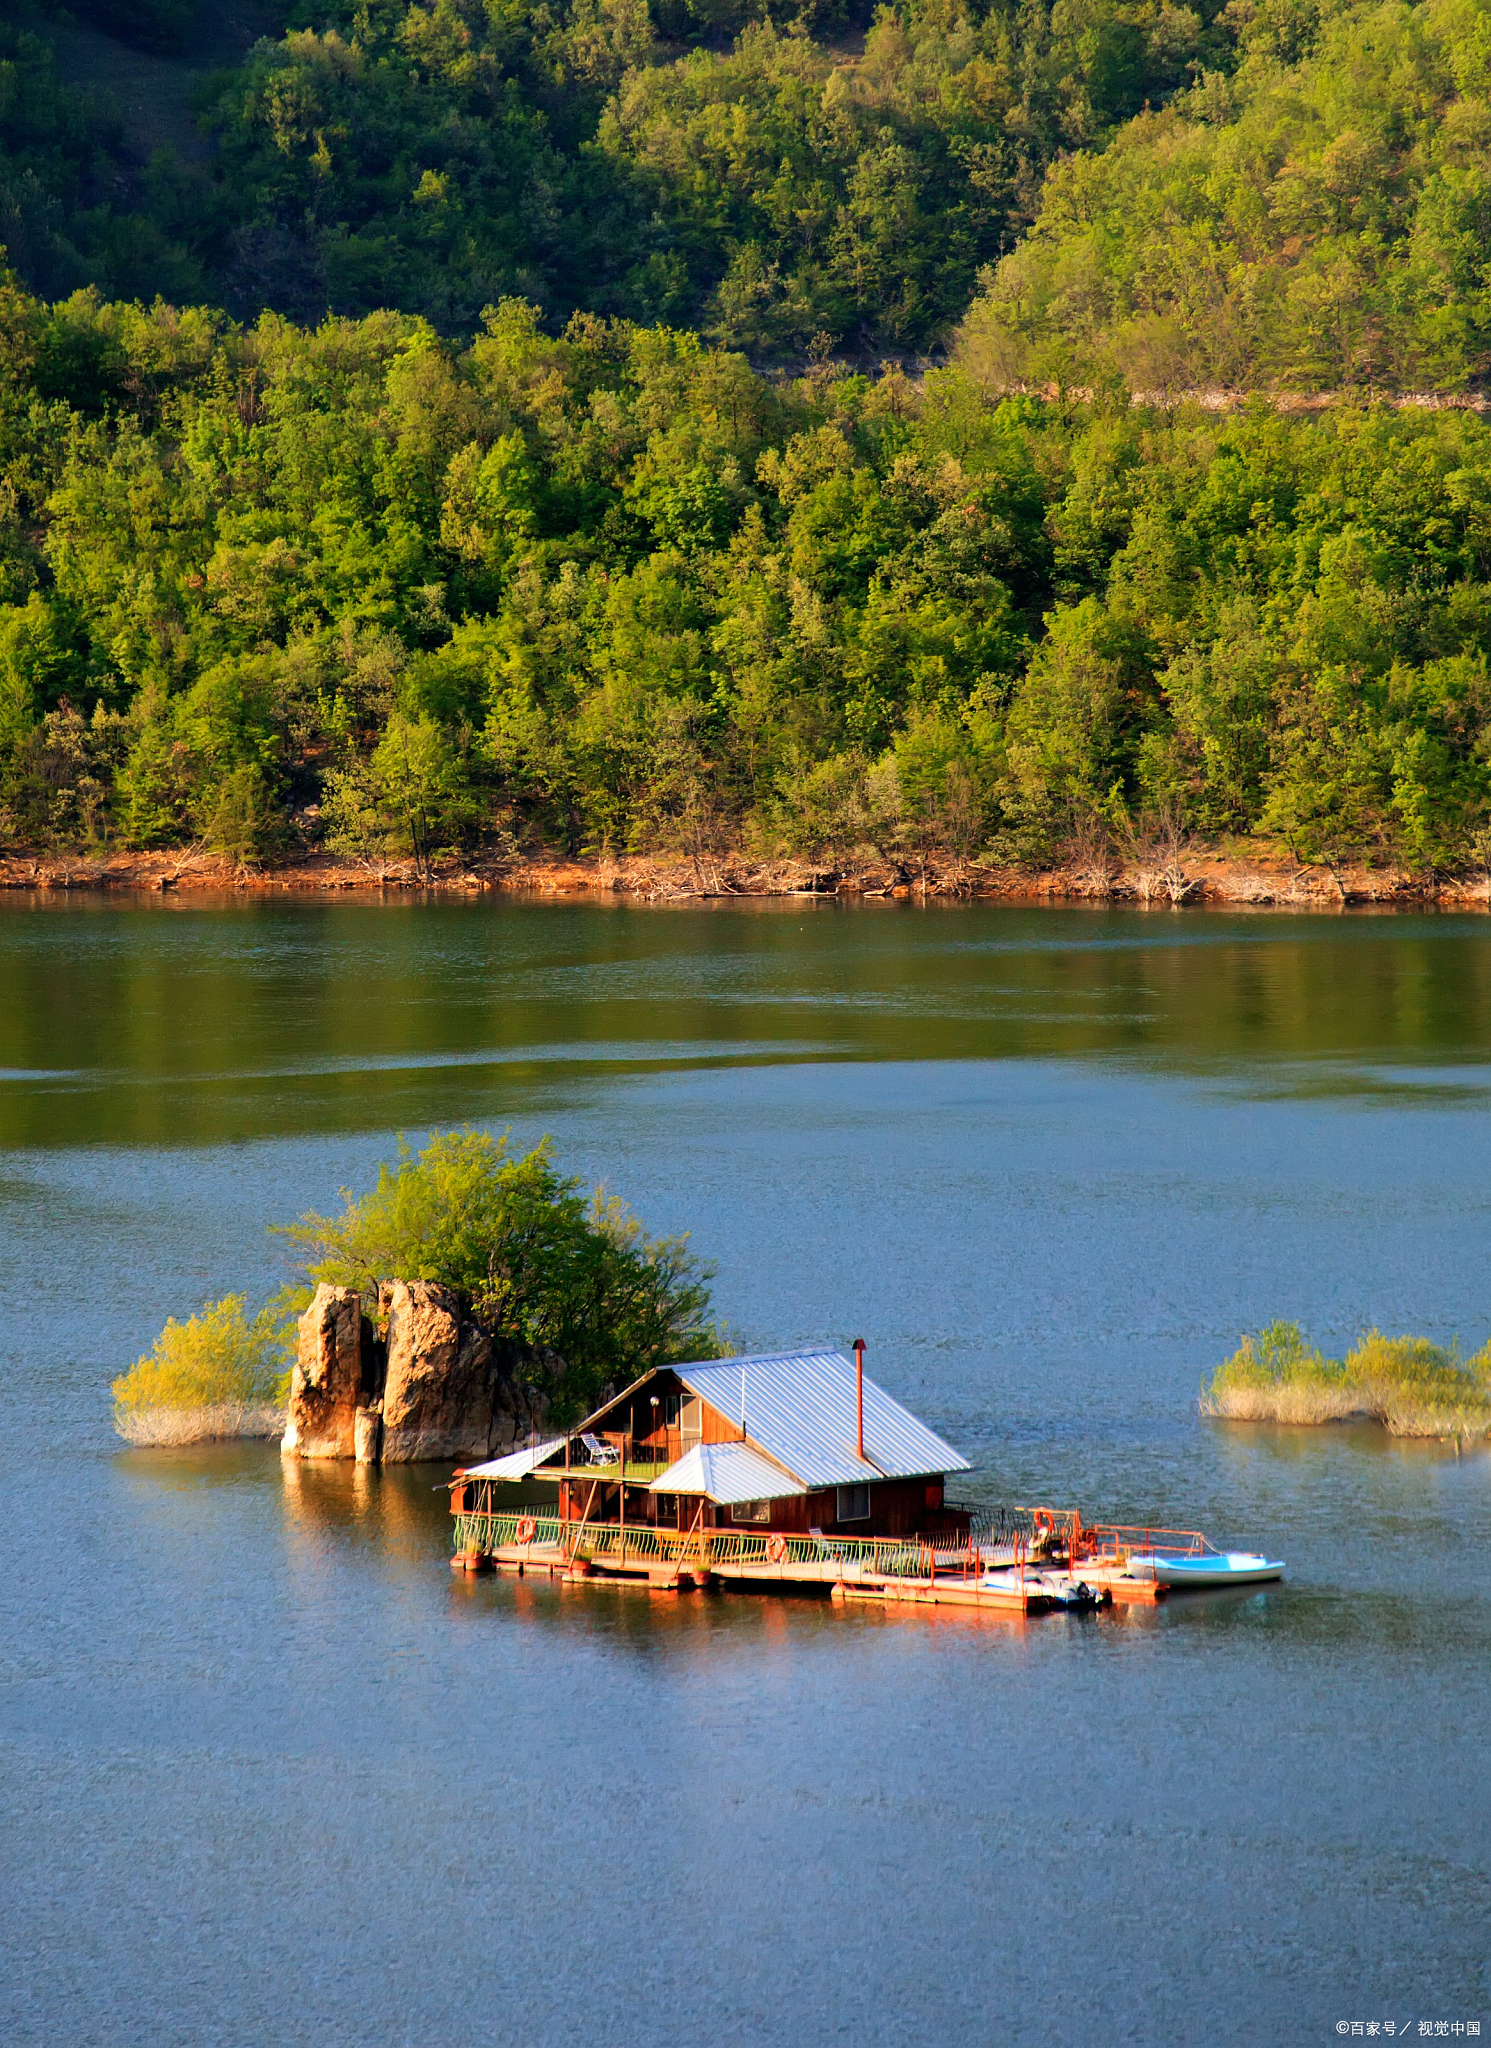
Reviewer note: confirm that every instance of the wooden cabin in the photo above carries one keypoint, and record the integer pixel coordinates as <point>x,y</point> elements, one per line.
<point>796,1442</point>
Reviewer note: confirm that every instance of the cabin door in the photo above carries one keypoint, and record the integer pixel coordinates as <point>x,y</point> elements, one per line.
<point>691,1421</point>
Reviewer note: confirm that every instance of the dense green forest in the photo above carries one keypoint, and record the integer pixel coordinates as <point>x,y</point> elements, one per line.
<point>765,174</point>
<point>510,430</point>
<point>1309,224</point>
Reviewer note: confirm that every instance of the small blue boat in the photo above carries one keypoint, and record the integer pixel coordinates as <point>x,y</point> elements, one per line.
<point>1229,1568</point>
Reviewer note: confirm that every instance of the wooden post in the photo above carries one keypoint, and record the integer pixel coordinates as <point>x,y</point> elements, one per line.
<point>580,1532</point>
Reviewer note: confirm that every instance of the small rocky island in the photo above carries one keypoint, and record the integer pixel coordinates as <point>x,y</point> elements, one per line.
<point>535,1299</point>
<point>420,1381</point>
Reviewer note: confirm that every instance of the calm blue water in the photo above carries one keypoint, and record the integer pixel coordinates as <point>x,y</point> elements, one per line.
<point>272,1774</point>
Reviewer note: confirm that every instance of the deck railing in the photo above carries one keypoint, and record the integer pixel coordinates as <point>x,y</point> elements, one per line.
<point>1003,1536</point>
<point>903,1557</point>
<point>485,1533</point>
<point>1112,1538</point>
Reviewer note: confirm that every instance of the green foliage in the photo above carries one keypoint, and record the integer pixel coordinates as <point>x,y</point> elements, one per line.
<point>219,1359</point>
<point>1316,220</point>
<point>1292,193</point>
<point>766,171</point>
<point>573,1281</point>
<point>1277,1356</point>
<point>409,797</point>
<point>64,223</point>
<point>357,586</point>
<point>1412,1386</point>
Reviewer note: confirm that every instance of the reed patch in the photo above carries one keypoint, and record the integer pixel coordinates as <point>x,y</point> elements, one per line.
<point>1412,1387</point>
<point>220,1373</point>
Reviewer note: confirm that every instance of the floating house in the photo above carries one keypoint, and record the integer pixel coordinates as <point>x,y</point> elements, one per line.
<point>793,1443</point>
<point>795,1469</point>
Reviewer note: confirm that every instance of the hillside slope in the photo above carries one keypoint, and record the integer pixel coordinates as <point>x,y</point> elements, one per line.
<point>357,587</point>
<point>785,179</point>
<point>1304,225</point>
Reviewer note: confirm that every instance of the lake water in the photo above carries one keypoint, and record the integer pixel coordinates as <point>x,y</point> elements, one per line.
<point>272,1774</point>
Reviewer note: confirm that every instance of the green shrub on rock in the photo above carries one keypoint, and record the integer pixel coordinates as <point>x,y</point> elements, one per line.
<point>571,1280</point>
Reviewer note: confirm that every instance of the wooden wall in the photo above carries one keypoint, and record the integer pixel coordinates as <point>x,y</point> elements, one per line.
<point>898,1507</point>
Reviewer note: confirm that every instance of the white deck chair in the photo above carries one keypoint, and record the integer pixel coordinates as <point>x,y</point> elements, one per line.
<point>601,1453</point>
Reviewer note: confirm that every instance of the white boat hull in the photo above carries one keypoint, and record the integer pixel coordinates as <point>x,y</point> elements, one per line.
<point>1236,1568</point>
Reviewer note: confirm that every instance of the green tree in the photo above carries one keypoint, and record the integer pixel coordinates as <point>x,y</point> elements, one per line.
<point>573,1281</point>
<point>220,1358</point>
<point>411,796</point>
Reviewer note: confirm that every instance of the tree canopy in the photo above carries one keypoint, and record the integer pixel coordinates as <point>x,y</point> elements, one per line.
<point>573,524</point>
<point>570,1279</point>
<point>358,586</point>
<point>1316,220</point>
<point>768,173</point>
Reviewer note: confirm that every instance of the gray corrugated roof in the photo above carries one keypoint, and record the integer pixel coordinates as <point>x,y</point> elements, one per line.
<point>517,1464</point>
<point>800,1407</point>
<point>727,1473</point>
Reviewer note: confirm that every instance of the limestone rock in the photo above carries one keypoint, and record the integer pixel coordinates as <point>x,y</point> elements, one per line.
<point>439,1394</point>
<point>367,1427</point>
<point>438,1389</point>
<point>326,1387</point>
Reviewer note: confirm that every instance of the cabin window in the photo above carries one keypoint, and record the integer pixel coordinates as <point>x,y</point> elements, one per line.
<point>854,1503</point>
<point>751,1511</point>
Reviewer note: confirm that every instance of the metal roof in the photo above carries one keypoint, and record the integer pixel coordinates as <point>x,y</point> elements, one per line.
<point>799,1406</point>
<point>516,1464</point>
<point>726,1473</point>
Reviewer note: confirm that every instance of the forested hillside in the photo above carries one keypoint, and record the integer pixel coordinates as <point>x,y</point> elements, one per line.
<point>619,589</point>
<point>767,174</point>
<point>510,430</point>
<point>1319,220</point>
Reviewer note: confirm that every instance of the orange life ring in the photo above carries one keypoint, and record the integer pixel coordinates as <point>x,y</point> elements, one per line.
<point>527,1529</point>
<point>1045,1523</point>
<point>776,1549</point>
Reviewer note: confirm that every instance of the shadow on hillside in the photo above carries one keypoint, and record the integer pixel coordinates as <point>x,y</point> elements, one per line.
<point>154,90</point>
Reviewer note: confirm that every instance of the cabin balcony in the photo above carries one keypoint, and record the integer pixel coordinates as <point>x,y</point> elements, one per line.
<point>637,1471</point>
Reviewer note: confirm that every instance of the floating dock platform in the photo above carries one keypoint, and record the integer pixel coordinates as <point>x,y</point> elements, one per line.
<point>793,1471</point>
<point>1017,1573</point>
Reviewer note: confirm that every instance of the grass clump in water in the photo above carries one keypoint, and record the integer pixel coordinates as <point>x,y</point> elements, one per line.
<point>218,1374</point>
<point>1412,1387</point>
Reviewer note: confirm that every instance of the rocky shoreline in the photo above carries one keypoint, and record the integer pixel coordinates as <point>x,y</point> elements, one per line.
<point>1192,875</point>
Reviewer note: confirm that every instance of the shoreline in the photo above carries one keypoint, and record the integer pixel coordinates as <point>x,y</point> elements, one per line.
<point>1194,878</point>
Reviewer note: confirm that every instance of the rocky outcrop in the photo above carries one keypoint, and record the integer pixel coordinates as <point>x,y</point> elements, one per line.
<point>327,1385</point>
<point>367,1434</point>
<point>436,1388</point>
<point>445,1393</point>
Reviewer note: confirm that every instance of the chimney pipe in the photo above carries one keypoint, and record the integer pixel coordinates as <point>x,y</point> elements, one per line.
<point>859,1394</point>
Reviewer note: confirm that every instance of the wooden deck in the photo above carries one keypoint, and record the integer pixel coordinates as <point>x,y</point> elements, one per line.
<point>902,1571</point>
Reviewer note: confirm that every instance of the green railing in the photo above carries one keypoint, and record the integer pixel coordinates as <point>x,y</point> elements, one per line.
<point>901,1557</point>
<point>485,1533</point>
<point>885,1556</point>
<point>1009,1536</point>
<point>609,1539</point>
